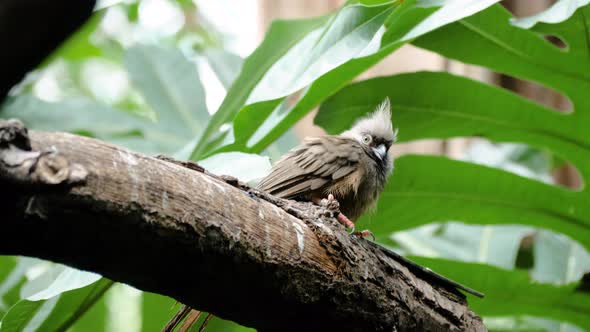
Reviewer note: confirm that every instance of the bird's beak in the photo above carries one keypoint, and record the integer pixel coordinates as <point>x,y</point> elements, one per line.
<point>380,151</point>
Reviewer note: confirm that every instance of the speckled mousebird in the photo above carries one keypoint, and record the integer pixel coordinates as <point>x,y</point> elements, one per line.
<point>352,167</point>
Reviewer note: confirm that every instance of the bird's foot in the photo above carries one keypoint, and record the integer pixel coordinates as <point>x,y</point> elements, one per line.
<point>345,221</point>
<point>363,234</point>
<point>329,203</point>
<point>332,204</point>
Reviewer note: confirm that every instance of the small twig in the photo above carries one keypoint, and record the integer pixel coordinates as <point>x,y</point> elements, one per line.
<point>192,318</point>
<point>180,315</point>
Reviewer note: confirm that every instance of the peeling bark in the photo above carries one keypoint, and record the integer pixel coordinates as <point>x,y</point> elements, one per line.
<point>210,242</point>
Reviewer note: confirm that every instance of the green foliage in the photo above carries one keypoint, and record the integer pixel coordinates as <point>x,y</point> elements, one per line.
<point>281,36</point>
<point>170,84</point>
<point>326,59</point>
<point>311,61</point>
<point>464,191</point>
<point>487,196</point>
<point>511,293</point>
<point>51,302</point>
<point>107,123</point>
<point>226,65</point>
<point>438,105</point>
<point>11,279</point>
<point>157,310</point>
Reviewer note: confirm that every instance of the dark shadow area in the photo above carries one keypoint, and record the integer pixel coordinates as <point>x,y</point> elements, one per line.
<point>31,29</point>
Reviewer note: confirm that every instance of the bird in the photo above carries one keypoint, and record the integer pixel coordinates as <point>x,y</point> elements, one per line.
<point>351,168</point>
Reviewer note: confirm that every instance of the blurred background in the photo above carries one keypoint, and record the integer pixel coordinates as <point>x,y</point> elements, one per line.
<point>100,70</point>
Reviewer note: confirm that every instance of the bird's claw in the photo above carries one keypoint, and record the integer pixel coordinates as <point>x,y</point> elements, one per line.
<point>329,203</point>
<point>332,204</point>
<point>362,234</point>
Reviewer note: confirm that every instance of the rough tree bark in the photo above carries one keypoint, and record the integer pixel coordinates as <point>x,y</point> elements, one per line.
<point>209,242</point>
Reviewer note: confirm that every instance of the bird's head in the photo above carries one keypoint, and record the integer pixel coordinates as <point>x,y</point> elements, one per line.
<point>376,132</point>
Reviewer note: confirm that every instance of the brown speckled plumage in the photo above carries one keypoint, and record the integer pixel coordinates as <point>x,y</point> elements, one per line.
<point>349,166</point>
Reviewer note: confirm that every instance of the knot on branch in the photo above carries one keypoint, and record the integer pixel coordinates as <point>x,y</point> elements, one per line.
<point>21,165</point>
<point>14,132</point>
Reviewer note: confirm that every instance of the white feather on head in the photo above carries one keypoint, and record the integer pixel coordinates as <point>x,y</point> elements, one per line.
<point>377,123</point>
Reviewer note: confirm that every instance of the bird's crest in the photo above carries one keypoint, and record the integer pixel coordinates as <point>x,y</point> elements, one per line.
<point>377,123</point>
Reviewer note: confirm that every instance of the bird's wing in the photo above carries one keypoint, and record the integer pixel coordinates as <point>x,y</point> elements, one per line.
<point>317,162</point>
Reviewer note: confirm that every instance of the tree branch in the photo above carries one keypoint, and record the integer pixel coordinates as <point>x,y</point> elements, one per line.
<point>212,243</point>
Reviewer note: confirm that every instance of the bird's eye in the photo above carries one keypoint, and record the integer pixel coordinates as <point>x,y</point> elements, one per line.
<point>367,139</point>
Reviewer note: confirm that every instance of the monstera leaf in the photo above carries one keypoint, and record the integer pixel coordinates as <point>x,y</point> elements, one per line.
<point>319,56</point>
<point>439,105</point>
<point>512,293</point>
<point>426,189</point>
